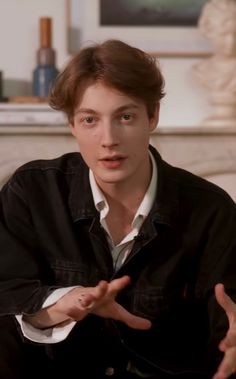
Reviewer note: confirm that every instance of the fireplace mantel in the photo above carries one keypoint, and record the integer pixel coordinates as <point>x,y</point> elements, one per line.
<point>206,151</point>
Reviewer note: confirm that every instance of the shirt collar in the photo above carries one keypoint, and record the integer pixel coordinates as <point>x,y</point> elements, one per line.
<point>145,206</point>
<point>98,197</point>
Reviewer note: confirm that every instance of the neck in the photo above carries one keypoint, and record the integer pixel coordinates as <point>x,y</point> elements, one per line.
<point>129,194</point>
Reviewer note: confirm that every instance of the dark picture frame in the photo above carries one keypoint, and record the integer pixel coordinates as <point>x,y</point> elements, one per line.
<point>150,12</point>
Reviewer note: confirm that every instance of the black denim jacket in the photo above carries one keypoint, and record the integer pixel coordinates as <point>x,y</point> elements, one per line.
<point>51,237</point>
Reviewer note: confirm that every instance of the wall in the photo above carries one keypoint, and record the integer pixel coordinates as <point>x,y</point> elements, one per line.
<point>185,103</point>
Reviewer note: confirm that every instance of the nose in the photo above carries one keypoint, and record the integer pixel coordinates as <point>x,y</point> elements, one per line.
<point>109,135</point>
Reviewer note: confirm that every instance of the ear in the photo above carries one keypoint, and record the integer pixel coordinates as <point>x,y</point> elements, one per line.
<point>155,119</point>
<point>72,129</point>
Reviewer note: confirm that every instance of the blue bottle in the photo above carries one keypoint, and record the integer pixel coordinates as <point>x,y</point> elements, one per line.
<point>45,72</point>
<point>43,77</point>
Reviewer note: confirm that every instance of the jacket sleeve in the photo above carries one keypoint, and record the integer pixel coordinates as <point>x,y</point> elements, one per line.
<point>218,265</point>
<point>22,290</point>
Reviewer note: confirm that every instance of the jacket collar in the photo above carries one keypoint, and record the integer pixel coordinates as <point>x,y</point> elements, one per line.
<point>81,199</point>
<point>166,206</point>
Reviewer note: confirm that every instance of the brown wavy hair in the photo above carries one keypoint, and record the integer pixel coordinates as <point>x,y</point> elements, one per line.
<point>115,63</point>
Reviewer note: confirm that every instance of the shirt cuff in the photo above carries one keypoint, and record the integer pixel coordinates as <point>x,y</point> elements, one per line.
<point>50,335</point>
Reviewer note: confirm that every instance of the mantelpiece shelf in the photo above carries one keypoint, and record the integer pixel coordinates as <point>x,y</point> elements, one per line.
<point>206,151</point>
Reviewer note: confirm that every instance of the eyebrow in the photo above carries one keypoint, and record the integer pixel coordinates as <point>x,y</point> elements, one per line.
<point>120,109</point>
<point>85,110</point>
<point>125,107</point>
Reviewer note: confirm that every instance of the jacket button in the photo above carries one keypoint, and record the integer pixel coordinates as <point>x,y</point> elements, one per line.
<point>109,371</point>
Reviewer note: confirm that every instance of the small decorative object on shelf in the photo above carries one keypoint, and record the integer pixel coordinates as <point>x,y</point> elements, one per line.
<point>46,70</point>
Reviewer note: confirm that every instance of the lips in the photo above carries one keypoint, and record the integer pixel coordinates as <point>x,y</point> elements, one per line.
<point>112,158</point>
<point>112,161</point>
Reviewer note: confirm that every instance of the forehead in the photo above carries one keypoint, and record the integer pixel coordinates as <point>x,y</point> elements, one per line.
<point>99,95</point>
<point>100,88</point>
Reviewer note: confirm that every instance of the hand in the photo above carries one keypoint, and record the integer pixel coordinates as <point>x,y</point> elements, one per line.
<point>100,300</point>
<point>228,344</point>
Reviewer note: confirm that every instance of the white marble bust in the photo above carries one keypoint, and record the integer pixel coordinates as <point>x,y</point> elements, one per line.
<point>218,73</point>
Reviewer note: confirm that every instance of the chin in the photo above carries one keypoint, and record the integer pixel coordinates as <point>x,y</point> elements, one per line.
<point>114,178</point>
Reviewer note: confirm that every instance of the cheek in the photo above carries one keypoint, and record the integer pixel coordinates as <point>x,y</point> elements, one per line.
<point>87,136</point>
<point>142,137</point>
<point>87,146</point>
<point>87,155</point>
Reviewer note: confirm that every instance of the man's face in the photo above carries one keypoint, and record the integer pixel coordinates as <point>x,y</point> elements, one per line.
<point>112,131</point>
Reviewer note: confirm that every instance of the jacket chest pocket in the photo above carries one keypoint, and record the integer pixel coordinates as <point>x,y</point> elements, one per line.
<point>153,302</point>
<point>68,273</point>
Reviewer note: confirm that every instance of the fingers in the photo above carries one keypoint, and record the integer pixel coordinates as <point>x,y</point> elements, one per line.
<point>117,285</point>
<point>85,301</point>
<point>100,300</point>
<point>224,300</point>
<point>230,309</point>
<point>227,366</point>
<point>89,298</point>
<point>104,303</point>
<point>134,322</point>
<point>228,341</point>
<point>105,290</point>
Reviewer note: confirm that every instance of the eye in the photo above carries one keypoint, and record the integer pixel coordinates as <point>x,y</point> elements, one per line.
<point>126,117</point>
<point>89,119</point>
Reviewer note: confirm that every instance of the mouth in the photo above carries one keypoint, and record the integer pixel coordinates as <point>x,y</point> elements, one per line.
<point>112,161</point>
<point>112,158</point>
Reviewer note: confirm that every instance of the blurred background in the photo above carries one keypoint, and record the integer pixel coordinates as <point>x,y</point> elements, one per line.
<point>76,22</point>
<point>29,129</point>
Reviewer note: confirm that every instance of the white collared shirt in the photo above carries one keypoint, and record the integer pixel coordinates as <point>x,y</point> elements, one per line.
<point>119,254</point>
<point>122,249</point>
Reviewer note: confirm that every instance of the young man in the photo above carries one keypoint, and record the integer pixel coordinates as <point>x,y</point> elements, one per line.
<point>110,257</point>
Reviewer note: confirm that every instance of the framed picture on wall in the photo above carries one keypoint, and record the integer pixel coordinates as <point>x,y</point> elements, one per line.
<point>165,28</point>
<point>150,12</point>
